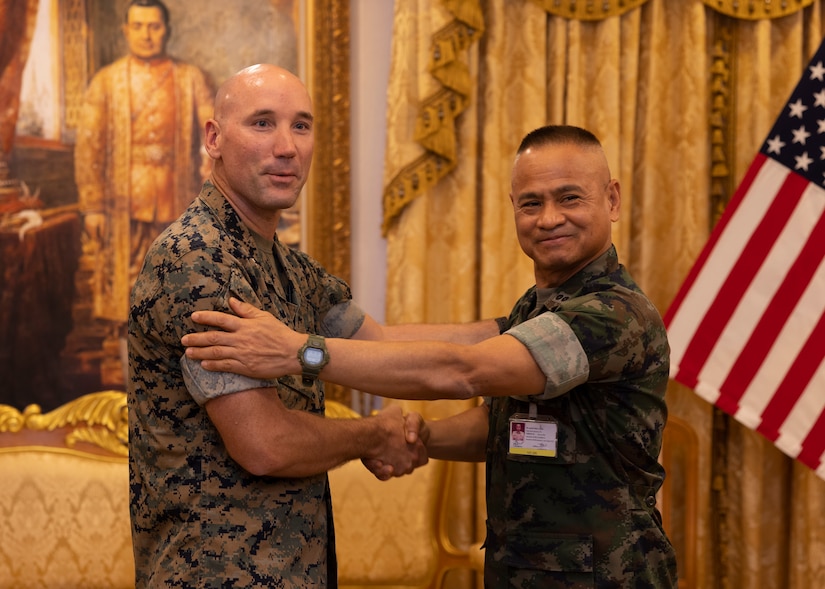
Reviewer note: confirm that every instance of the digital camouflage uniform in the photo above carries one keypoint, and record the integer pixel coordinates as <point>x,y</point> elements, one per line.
<point>588,517</point>
<point>198,518</point>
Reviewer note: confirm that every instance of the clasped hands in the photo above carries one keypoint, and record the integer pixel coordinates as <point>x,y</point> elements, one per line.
<point>255,344</point>
<point>398,456</point>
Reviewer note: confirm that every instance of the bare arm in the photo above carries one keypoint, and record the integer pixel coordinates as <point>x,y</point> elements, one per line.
<point>498,365</point>
<point>457,333</point>
<point>461,437</point>
<point>266,438</point>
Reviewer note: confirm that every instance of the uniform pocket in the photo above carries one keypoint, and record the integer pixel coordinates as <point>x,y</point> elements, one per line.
<point>537,559</point>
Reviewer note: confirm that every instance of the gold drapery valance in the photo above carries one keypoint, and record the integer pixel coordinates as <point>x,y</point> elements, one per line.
<point>435,123</point>
<point>600,9</point>
<point>435,128</point>
<point>588,9</point>
<point>757,9</point>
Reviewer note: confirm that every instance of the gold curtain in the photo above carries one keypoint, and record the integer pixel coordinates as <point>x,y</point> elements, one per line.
<point>681,92</point>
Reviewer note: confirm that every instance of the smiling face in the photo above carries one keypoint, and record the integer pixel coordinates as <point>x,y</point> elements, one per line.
<point>564,202</point>
<point>261,141</point>
<point>145,32</point>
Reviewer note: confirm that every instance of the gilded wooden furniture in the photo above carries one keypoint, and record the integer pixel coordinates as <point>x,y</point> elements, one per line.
<point>64,499</point>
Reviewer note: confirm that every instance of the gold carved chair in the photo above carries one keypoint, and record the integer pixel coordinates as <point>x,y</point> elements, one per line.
<point>64,497</point>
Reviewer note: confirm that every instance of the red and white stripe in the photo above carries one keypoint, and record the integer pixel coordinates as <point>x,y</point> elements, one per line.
<point>747,328</point>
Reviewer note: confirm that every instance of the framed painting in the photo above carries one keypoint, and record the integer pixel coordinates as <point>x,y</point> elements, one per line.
<point>55,347</point>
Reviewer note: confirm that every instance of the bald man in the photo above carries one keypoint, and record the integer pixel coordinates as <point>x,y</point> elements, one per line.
<point>228,475</point>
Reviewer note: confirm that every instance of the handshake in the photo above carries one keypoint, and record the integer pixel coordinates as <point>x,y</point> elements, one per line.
<point>403,446</point>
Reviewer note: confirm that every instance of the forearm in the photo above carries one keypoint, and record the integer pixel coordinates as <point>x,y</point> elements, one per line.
<point>432,370</point>
<point>318,444</point>
<point>458,333</point>
<point>267,439</point>
<point>462,437</point>
<point>397,369</point>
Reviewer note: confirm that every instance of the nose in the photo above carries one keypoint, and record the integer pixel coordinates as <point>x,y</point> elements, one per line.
<point>284,143</point>
<point>550,215</point>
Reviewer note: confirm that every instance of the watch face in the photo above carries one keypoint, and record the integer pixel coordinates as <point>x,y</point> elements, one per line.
<point>313,356</point>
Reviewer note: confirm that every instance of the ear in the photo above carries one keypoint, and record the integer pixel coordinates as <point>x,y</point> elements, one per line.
<point>614,198</point>
<point>212,138</point>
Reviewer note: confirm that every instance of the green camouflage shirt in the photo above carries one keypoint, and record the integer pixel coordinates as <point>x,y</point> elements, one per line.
<point>198,518</point>
<point>586,517</point>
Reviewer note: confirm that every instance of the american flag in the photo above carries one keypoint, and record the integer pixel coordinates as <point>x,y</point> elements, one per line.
<point>747,328</point>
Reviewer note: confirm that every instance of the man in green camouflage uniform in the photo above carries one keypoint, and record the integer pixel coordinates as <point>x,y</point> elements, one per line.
<point>582,363</point>
<point>228,473</point>
<point>586,517</point>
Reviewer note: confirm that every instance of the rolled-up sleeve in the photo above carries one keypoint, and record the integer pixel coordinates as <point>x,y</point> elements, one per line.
<point>557,352</point>
<point>343,320</point>
<point>205,385</point>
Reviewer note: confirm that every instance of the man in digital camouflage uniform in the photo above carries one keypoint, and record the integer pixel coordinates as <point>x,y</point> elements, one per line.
<point>227,473</point>
<point>582,363</point>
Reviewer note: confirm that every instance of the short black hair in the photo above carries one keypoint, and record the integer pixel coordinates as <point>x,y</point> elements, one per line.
<point>164,11</point>
<point>558,134</point>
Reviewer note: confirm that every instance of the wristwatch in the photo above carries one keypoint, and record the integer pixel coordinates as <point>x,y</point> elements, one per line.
<point>313,356</point>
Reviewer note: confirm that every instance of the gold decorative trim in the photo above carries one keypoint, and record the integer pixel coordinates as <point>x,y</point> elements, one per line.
<point>435,127</point>
<point>327,213</point>
<point>98,418</point>
<point>588,9</point>
<point>757,9</point>
<point>601,9</point>
<point>721,125</point>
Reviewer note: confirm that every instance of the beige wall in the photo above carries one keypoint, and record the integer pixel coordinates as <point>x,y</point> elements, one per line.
<point>370,34</point>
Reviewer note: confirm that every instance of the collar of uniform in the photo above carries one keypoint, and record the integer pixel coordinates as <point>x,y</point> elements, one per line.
<point>601,266</point>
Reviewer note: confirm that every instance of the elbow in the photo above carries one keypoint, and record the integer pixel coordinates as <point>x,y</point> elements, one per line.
<point>256,468</point>
<point>258,461</point>
<point>461,387</point>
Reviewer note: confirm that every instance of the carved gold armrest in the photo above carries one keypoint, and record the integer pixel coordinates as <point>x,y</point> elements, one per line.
<point>100,419</point>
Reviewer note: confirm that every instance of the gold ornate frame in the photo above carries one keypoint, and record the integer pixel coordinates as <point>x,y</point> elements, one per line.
<point>326,214</point>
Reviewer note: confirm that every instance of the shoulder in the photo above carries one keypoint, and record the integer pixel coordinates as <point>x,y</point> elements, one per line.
<point>319,285</point>
<point>612,313</point>
<point>192,244</point>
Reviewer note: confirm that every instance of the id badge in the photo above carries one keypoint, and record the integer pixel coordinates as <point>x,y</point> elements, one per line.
<point>533,436</point>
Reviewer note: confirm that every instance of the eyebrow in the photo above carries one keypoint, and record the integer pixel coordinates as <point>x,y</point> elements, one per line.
<point>554,191</point>
<point>268,111</point>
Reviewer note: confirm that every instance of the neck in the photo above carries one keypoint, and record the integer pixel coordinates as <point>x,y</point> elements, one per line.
<point>262,222</point>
